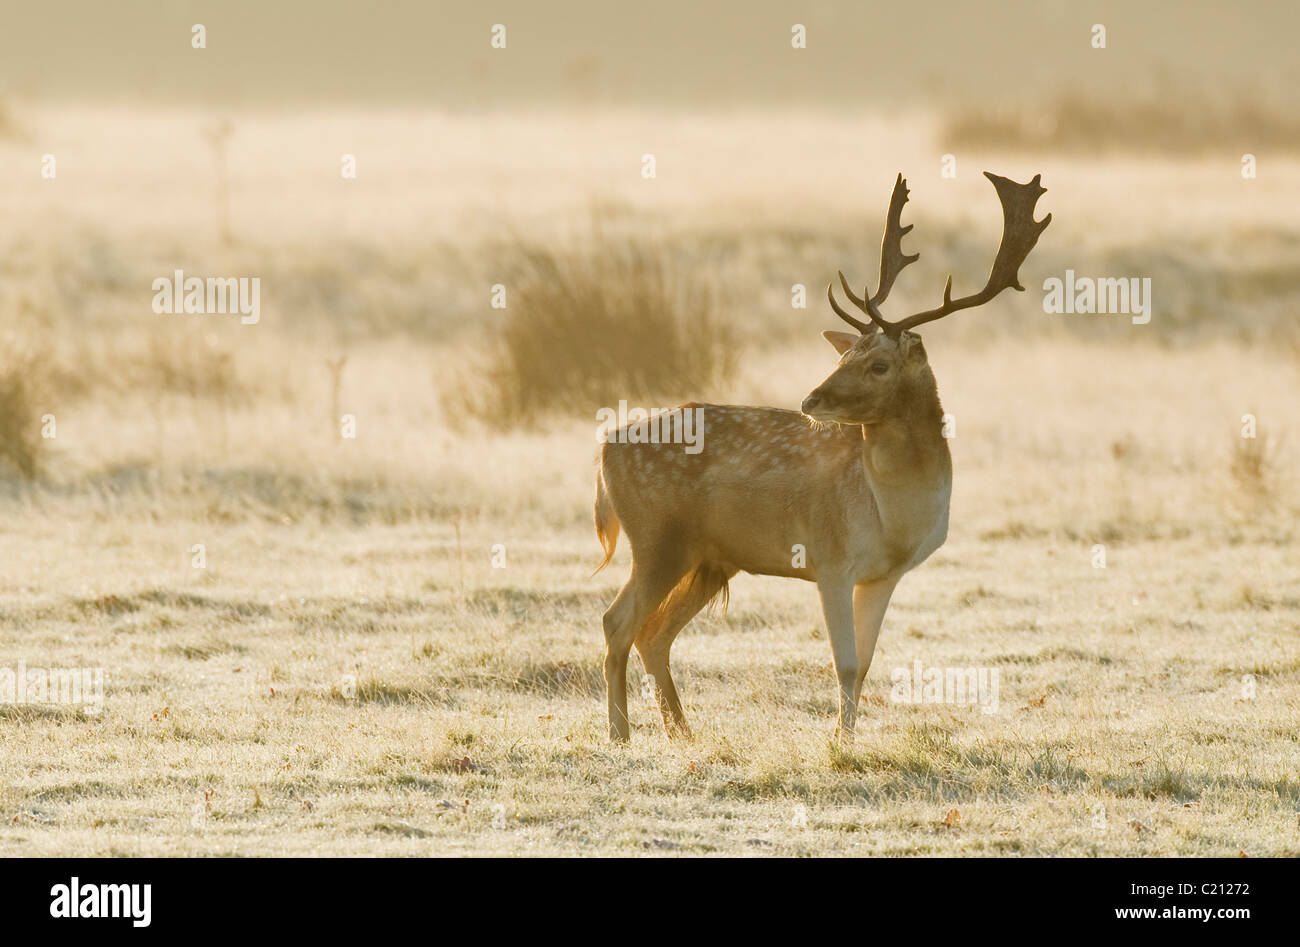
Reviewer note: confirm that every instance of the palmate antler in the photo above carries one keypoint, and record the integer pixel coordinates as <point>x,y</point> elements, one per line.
<point>1019,234</point>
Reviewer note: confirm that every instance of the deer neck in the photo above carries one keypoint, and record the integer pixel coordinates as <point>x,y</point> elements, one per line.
<point>909,471</point>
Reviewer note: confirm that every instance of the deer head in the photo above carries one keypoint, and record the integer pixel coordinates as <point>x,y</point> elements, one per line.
<point>884,368</point>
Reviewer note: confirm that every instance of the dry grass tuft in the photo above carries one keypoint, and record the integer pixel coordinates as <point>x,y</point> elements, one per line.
<point>612,319</point>
<point>1253,467</point>
<point>23,391</point>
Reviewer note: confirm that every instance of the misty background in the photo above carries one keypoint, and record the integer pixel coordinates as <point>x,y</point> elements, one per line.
<point>670,53</point>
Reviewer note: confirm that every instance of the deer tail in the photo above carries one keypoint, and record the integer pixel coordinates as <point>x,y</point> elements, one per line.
<point>607,525</point>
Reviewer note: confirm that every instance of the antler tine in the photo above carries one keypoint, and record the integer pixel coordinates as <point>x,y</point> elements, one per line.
<point>865,328</point>
<point>892,258</point>
<point>892,261</point>
<point>1020,233</point>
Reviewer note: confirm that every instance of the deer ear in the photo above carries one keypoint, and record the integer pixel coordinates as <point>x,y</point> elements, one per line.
<point>912,346</point>
<point>842,341</point>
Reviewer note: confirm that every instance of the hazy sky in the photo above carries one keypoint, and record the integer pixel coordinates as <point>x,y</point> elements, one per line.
<point>669,52</point>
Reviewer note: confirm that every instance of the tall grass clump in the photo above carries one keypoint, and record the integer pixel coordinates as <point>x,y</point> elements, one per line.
<point>589,325</point>
<point>1253,467</point>
<point>22,402</point>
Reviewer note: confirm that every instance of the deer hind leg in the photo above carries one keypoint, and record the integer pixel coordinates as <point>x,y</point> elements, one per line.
<point>647,586</point>
<point>655,639</point>
<point>869,604</point>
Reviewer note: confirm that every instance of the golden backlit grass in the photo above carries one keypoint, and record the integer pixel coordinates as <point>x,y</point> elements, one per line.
<point>350,674</point>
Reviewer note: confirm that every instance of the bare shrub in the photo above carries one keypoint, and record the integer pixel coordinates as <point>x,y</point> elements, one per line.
<point>586,327</point>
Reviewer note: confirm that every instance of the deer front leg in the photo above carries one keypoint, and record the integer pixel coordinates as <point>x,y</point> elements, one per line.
<point>837,607</point>
<point>870,601</point>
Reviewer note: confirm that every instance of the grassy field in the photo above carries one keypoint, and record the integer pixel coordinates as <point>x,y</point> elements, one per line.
<point>394,644</point>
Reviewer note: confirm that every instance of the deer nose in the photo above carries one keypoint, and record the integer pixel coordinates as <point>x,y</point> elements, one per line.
<point>810,402</point>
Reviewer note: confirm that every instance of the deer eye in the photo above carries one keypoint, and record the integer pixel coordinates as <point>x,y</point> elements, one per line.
<point>879,368</point>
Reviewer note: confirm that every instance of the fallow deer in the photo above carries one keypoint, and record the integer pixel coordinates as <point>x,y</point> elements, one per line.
<point>851,492</point>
